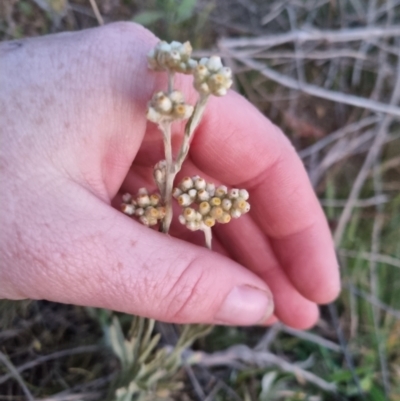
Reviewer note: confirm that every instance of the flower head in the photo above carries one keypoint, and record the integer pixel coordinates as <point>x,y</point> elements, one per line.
<point>174,56</point>
<point>146,207</point>
<point>205,205</point>
<point>168,107</point>
<point>211,77</point>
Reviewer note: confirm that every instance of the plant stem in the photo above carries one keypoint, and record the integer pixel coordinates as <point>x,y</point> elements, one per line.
<point>173,168</point>
<point>169,176</point>
<point>190,127</point>
<point>207,236</point>
<point>171,76</point>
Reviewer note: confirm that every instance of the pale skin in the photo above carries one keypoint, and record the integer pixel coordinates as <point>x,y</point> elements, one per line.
<point>74,137</point>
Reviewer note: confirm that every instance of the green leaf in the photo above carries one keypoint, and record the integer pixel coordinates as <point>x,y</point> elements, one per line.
<point>185,10</point>
<point>147,18</point>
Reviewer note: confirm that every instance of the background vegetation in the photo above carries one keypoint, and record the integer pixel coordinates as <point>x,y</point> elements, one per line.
<point>328,72</point>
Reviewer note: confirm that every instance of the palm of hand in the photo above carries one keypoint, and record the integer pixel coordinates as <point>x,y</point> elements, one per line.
<point>88,253</point>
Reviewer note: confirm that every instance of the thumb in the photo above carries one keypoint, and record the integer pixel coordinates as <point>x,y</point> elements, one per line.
<point>102,258</point>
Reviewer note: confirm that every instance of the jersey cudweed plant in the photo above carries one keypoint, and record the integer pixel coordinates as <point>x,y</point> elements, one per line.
<point>203,204</point>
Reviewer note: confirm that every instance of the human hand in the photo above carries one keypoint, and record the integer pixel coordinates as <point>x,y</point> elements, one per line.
<point>72,112</point>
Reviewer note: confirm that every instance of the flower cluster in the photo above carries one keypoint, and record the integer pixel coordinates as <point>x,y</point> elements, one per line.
<point>214,204</point>
<point>147,207</point>
<point>211,77</point>
<point>168,107</point>
<point>174,56</point>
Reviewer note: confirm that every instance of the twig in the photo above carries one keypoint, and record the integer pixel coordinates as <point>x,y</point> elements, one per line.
<point>340,133</point>
<point>195,383</point>
<point>262,359</point>
<point>305,335</point>
<point>301,36</point>
<point>343,344</point>
<point>73,397</point>
<point>242,353</point>
<point>96,12</point>
<point>313,90</point>
<point>55,355</point>
<point>374,301</point>
<point>375,200</point>
<point>376,257</point>
<point>341,150</point>
<point>14,373</point>
<point>268,338</point>
<point>368,162</point>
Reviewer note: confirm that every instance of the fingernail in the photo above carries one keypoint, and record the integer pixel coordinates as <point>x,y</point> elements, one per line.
<point>244,306</point>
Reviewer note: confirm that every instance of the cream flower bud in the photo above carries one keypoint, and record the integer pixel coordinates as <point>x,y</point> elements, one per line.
<point>190,214</point>
<point>226,72</point>
<point>204,208</point>
<point>216,212</point>
<point>151,212</point>
<point>182,111</point>
<point>193,225</point>
<point>226,204</point>
<point>210,188</point>
<point>161,212</point>
<point>175,45</point>
<point>239,203</point>
<point>244,194</point>
<point>203,88</point>
<point>177,97</point>
<point>246,209</point>
<point>201,72</point>
<point>154,199</point>
<point>144,220</point>
<point>220,92</point>
<point>176,192</point>
<point>235,213</point>
<point>163,47</point>
<point>221,191</point>
<point>143,191</point>
<point>191,65</point>
<point>214,63</point>
<point>139,211</point>
<point>126,198</point>
<point>153,115</point>
<point>152,221</point>
<point>215,201</point>
<point>184,200</point>
<point>200,183</point>
<point>143,200</point>
<point>182,219</point>
<point>162,103</point>
<point>186,184</point>
<point>224,218</point>
<point>128,209</point>
<point>203,195</point>
<point>209,221</point>
<point>192,193</point>
<point>233,193</point>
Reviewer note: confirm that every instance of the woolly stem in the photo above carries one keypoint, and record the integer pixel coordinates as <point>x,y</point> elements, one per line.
<point>207,236</point>
<point>171,76</point>
<point>190,127</point>
<point>169,176</point>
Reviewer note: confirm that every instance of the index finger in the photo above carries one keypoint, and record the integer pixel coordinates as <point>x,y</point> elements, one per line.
<point>238,146</point>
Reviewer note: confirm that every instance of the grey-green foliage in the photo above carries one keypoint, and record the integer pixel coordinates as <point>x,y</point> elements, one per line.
<point>174,11</point>
<point>147,370</point>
